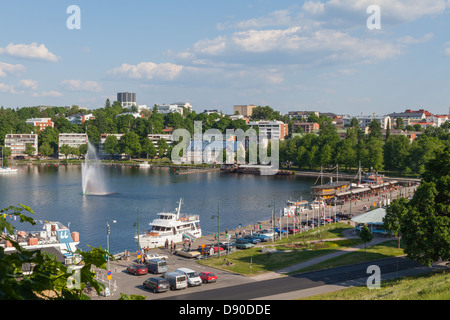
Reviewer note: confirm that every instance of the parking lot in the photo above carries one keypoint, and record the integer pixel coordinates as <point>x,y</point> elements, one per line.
<point>124,282</point>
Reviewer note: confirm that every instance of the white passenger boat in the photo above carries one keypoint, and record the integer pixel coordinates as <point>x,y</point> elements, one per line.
<point>170,226</point>
<point>295,207</point>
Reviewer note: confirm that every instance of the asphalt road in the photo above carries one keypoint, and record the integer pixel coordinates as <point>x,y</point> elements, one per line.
<point>286,284</point>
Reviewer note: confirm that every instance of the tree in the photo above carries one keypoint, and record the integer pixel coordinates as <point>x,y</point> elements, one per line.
<point>65,150</point>
<point>425,224</point>
<point>395,212</point>
<point>111,145</point>
<point>162,147</point>
<point>30,150</point>
<point>400,124</point>
<point>49,278</point>
<point>129,144</point>
<point>365,235</point>
<point>375,129</point>
<point>148,148</point>
<point>46,149</point>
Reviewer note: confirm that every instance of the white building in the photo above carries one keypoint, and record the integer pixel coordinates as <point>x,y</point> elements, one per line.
<point>277,130</point>
<point>18,143</point>
<point>364,121</point>
<point>174,107</point>
<point>72,140</point>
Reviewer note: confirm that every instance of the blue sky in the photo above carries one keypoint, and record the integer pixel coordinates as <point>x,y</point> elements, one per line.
<point>291,55</point>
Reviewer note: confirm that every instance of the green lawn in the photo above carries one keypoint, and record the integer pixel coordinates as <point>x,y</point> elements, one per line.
<point>434,286</point>
<point>293,250</point>
<point>380,251</point>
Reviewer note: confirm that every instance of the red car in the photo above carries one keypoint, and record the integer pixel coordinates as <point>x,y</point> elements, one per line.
<point>207,277</point>
<point>137,269</point>
<point>292,230</point>
<point>207,249</point>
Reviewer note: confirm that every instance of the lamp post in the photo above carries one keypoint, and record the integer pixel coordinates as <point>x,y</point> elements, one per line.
<point>108,231</point>
<point>218,229</point>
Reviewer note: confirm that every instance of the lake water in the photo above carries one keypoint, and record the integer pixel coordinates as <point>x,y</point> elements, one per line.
<point>54,194</point>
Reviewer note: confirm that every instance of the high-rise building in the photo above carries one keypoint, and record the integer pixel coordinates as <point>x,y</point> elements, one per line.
<point>127,99</point>
<point>245,109</point>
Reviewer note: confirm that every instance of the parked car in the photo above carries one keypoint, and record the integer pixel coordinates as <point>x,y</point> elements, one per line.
<point>262,237</point>
<point>291,230</point>
<point>193,278</point>
<point>253,239</point>
<point>278,230</point>
<point>228,245</point>
<point>207,277</point>
<point>137,269</point>
<point>176,280</point>
<point>157,284</point>
<point>153,255</point>
<point>188,253</point>
<point>243,244</point>
<point>156,266</point>
<point>208,249</point>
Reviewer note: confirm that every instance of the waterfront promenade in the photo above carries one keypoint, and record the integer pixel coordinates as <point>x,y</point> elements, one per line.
<point>128,284</point>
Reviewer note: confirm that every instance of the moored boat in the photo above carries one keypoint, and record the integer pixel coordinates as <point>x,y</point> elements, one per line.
<point>170,227</point>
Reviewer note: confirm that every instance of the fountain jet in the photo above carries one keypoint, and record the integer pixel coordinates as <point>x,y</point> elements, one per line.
<point>92,179</point>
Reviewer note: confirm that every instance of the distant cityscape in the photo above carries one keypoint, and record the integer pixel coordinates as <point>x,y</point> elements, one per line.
<point>410,123</point>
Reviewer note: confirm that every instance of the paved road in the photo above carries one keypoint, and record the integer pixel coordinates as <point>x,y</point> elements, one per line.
<point>303,281</point>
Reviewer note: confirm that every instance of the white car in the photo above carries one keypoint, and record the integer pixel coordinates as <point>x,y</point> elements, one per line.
<point>153,255</point>
<point>268,232</point>
<point>193,278</point>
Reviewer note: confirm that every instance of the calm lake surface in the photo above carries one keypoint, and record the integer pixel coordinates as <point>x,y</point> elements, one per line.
<point>54,194</point>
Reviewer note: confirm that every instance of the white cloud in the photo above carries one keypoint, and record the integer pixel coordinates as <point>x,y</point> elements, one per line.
<point>148,70</point>
<point>412,40</point>
<point>29,51</point>
<point>4,88</point>
<point>28,84</point>
<point>51,93</point>
<point>6,68</point>
<point>78,85</point>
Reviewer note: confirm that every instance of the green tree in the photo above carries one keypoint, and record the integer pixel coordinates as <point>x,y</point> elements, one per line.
<point>425,224</point>
<point>46,149</point>
<point>365,235</point>
<point>148,148</point>
<point>111,145</point>
<point>163,147</point>
<point>49,278</point>
<point>30,150</point>
<point>129,144</point>
<point>65,150</point>
<point>375,129</point>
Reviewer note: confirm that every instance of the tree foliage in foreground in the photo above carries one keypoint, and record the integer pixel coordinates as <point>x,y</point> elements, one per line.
<point>50,278</point>
<point>424,221</point>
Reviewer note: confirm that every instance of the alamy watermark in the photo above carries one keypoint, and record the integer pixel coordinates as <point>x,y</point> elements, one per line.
<point>374,281</point>
<point>74,20</point>
<point>235,147</point>
<point>374,20</point>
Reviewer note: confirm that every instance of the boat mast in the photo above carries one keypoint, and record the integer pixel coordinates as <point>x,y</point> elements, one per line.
<point>179,208</point>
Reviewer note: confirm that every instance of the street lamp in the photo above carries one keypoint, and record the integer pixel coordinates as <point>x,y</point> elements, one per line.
<point>108,231</point>
<point>218,230</point>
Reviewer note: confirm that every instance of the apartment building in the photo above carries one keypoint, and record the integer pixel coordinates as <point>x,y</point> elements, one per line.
<point>72,140</point>
<point>18,143</point>
<point>271,129</point>
<point>245,109</point>
<point>41,123</point>
<point>307,127</point>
